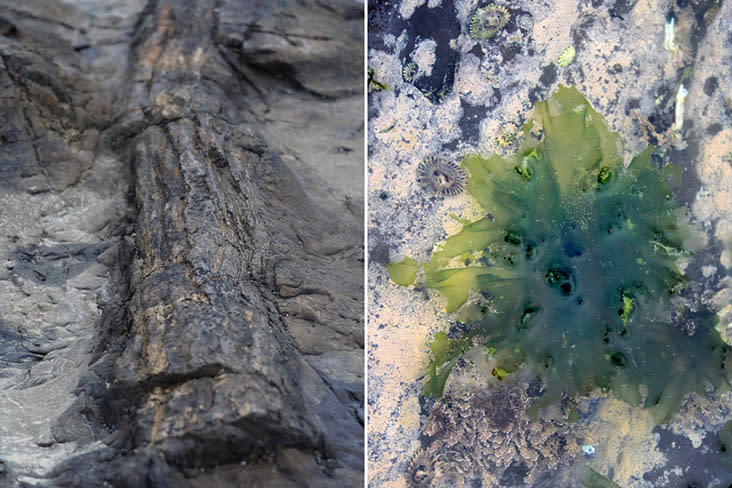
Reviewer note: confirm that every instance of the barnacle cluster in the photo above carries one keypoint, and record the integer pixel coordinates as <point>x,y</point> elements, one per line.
<point>474,438</point>
<point>441,177</point>
<point>575,257</point>
<point>488,21</point>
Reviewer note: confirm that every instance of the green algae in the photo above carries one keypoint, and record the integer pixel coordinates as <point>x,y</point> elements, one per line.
<point>593,479</point>
<point>374,84</point>
<point>404,272</point>
<point>575,257</point>
<point>724,438</point>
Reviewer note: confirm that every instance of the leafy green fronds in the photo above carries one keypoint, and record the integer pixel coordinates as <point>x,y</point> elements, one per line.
<point>446,353</point>
<point>404,272</point>
<point>575,256</point>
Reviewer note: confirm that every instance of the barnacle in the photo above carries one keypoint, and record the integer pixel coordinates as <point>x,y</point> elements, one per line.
<point>421,470</point>
<point>409,71</point>
<point>567,56</point>
<point>436,467</point>
<point>576,256</point>
<point>488,21</point>
<point>441,177</point>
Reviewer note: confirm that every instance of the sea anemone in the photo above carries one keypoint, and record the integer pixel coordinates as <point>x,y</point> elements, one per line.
<point>576,258</point>
<point>420,470</point>
<point>441,177</point>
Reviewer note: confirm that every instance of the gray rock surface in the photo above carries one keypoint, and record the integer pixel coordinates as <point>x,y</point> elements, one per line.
<point>181,243</point>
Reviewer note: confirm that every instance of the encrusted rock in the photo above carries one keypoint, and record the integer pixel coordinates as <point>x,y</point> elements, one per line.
<point>480,435</point>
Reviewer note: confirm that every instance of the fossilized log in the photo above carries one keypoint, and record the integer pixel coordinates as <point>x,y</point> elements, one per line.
<point>228,347</point>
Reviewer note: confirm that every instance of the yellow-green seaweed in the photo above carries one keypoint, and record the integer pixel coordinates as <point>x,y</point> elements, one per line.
<point>404,272</point>
<point>576,259</point>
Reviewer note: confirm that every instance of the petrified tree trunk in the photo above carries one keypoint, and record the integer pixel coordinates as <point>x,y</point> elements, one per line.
<point>223,343</point>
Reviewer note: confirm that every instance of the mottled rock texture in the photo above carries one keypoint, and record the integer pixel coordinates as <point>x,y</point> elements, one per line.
<point>181,290</point>
<point>438,92</point>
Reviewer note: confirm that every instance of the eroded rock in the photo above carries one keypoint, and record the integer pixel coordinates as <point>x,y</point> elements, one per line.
<point>164,268</point>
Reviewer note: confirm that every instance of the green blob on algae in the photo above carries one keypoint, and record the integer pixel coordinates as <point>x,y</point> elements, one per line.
<point>576,258</point>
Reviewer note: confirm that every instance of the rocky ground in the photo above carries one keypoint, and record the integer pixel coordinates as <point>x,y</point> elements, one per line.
<point>436,91</point>
<point>181,243</point>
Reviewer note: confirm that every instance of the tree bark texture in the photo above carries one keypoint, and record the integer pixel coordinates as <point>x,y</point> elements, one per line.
<point>183,303</point>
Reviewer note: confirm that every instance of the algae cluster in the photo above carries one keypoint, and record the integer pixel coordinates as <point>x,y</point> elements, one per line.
<point>571,271</point>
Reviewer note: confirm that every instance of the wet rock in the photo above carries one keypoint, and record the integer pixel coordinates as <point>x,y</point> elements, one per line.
<point>181,305</point>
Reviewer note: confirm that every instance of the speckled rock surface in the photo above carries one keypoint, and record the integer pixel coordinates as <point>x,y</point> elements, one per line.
<point>435,91</point>
<point>181,243</point>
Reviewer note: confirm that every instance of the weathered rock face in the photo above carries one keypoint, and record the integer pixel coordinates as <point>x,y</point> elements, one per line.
<point>182,289</point>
